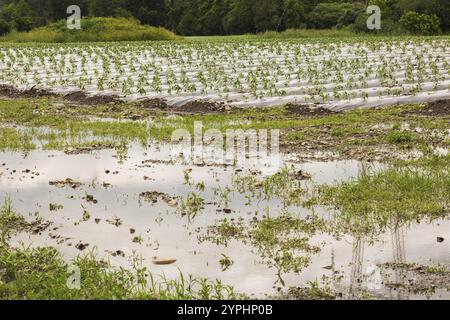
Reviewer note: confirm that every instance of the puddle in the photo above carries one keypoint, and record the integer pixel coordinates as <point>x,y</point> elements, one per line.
<point>103,206</point>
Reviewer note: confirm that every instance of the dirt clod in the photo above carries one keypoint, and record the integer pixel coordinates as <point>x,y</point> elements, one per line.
<point>66,183</point>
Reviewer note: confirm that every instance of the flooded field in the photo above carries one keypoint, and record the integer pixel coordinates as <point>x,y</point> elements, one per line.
<point>260,231</point>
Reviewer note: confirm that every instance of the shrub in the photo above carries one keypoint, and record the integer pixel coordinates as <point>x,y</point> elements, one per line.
<point>417,23</point>
<point>92,30</point>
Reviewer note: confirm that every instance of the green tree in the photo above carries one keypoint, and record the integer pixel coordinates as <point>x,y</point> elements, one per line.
<point>293,15</point>
<point>419,23</point>
<point>330,14</point>
<point>22,16</point>
<point>4,27</point>
<point>148,12</point>
<point>58,8</point>
<point>266,15</point>
<point>104,8</point>
<point>239,19</point>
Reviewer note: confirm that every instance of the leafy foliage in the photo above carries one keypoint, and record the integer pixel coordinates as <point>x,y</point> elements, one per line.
<point>420,23</point>
<point>219,17</point>
<point>95,29</point>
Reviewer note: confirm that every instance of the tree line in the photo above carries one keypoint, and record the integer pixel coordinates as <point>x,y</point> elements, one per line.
<point>222,17</point>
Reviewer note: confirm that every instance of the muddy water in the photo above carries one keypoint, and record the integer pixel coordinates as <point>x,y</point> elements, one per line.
<point>350,264</point>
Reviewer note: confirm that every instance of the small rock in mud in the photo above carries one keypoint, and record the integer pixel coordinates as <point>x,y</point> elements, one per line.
<point>154,196</point>
<point>163,261</point>
<point>151,196</point>
<point>81,246</point>
<point>66,183</point>
<point>115,222</point>
<point>117,253</point>
<point>106,185</point>
<point>171,202</point>
<point>137,239</point>
<point>302,175</point>
<point>90,198</point>
<point>55,207</point>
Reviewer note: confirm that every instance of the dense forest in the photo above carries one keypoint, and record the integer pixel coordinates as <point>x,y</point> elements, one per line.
<point>219,17</point>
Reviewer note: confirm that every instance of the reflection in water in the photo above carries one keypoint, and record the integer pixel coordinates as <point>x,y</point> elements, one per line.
<point>357,264</point>
<point>399,257</point>
<point>358,275</point>
<point>165,233</point>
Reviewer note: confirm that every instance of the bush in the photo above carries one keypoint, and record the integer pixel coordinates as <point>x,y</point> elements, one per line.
<point>93,30</point>
<point>423,24</point>
<point>4,27</point>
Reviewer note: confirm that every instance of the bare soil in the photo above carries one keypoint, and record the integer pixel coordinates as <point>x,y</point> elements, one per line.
<point>440,108</point>
<point>307,110</point>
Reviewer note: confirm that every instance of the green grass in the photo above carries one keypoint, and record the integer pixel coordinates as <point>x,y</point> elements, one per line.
<point>74,126</point>
<point>12,139</point>
<point>9,222</point>
<point>93,30</point>
<point>45,124</point>
<point>404,193</point>
<point>42,273</point>
<point>308,34</point>
<point>282,186</point>
<point>325,35</point>
<point>405,137</point>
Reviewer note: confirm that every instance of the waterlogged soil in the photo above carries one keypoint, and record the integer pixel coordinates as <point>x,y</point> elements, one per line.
<point>199,106</point>
<point>439,108</point>
<point>166,211</point>
<point>307,110</point>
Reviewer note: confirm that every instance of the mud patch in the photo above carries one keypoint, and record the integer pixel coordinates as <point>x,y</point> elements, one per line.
<point>12,92</point>
<point>192,107</point>
<point>204,106</point>
<point>82,98</point>
<point>66,183</point>
<point>440,108</point>
<point>158,104</point>
<point>78,97</point>
<point>415,278</point>
<point>154,196</point>
<point>307,110</point>
<point>37,226</point>
<point>304,293</point>
<point>82,150</point>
